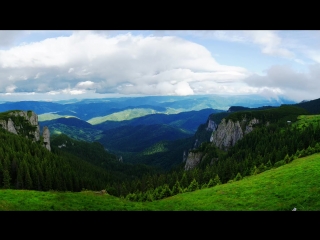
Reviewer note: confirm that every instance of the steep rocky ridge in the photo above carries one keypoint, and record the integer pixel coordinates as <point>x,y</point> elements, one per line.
<point>202,135</point>
<point>229,132</point>
<point>25,123</point>
<point>224,136</point>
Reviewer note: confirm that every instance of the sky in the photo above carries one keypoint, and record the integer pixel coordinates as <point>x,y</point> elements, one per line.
<point>64,64</point>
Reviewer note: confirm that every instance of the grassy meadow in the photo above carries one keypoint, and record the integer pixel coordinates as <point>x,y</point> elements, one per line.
<point>295,185</point>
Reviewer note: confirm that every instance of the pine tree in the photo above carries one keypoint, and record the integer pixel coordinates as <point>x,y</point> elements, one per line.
<point>238,177</point>
<point>211,183</point>
<point>269,165</point>
<point>176,188</point>
<point>149,195</point>
<point>28,181</point>
<point>286,158</point>
<point>19,182</point>
<point>184,180</point>
<point>166,192</point>
<point>6,179</point>
<point>217,180</point>
<point>194,185</point>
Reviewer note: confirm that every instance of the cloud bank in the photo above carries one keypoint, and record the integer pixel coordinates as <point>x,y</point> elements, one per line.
<point>86,63</point>
<point>123,64</point>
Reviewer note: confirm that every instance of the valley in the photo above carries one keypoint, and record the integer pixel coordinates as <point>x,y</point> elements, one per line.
<point>150,156</point>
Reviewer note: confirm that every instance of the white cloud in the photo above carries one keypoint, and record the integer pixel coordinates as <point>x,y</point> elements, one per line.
<point>85,85</point>
<point>269,42</point>
<point>183,88</point>
<point>54,93</point>
<point>283,79</point>
<point>156,63</point>
<point>73,91</point>
<point>10,88</point>
<point>160,65</point>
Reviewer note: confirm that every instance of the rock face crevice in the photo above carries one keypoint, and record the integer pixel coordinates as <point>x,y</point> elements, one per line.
<point>228,133</point>
<point>25,123</point>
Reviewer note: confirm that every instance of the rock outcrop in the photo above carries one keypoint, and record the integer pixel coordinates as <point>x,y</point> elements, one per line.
<point>193,160</point>
<point>228,133</point>
<point>212,126</point>
<point>8,125</point>
<point>25,123</point>
<point>184,156</point>
<point>46,138</point>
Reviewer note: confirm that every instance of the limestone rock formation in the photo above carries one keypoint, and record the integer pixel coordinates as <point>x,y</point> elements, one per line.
<point>8,125</point>
<point>25,123</point>
<point>193,160</point>
<point>228,133</point>
<point>46,138</point>
<point>225,135</point>
<point>212,126</point>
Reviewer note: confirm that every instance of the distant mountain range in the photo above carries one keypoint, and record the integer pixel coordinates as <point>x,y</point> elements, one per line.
<point>92,108</point>
<point>137,127</point>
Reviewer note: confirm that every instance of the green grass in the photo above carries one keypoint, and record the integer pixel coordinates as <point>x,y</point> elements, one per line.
<point>293,185</point>
<point>306,120</point>
<point>51,116</point>
<point>123,115</point>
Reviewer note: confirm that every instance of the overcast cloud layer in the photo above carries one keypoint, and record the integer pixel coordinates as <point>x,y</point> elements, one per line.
<point>107,63</point>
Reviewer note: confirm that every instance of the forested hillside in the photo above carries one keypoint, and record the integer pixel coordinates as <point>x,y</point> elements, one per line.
<point>284,134</point>
<point>266,147</point>
<point>28,165</point>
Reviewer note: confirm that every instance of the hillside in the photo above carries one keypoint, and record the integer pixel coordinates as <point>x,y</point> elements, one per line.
<point>312,106</point>
<point>138,138</point>
<point>284,135</point>
<point>294,185</point>
<point>122,115</point>
<point>73,127</point>
<point>95,154</point>
<point>188,121</point>
<point>27,164</point>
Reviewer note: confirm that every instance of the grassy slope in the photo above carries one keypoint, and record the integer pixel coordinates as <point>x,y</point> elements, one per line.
<point>293,185</point>
<point>52,116</point>
<point>123,115</point>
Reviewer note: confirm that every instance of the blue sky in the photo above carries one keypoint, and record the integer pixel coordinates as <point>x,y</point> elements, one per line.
<point>58,65</point>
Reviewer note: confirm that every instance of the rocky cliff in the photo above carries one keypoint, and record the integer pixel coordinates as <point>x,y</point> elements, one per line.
<point>193,160</point>
<point>25,123</point>
<point>228,133</point>
<point>46,138</point>
<point>202,135</point>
